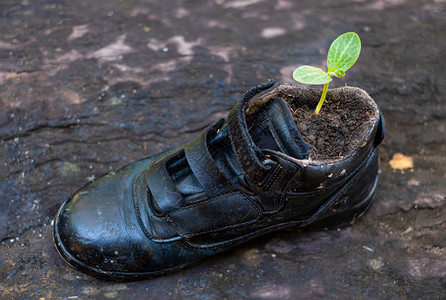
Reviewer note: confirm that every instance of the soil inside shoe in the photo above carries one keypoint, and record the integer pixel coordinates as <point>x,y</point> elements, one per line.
<point>337,131</point>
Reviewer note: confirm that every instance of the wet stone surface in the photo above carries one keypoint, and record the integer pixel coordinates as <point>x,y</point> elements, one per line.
<point>89,86</point>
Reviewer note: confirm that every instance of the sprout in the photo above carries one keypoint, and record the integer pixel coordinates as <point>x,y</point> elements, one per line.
<point>343,53</point>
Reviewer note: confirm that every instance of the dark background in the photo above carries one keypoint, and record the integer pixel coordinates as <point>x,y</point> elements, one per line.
<point>89,86</point>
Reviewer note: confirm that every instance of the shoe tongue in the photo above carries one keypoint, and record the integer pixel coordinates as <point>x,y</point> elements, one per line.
<point>273,128</point>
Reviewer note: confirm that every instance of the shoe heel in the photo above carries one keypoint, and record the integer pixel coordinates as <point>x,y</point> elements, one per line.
<point>345,219</point>
<point>337,214</point>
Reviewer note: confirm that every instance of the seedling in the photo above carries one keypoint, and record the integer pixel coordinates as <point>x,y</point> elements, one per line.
<point>343,53</point>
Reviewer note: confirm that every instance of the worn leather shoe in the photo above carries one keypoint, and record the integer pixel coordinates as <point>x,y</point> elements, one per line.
<point>244,176</point>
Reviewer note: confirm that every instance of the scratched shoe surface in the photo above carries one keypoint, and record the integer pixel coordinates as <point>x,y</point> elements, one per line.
<point>241,178</point>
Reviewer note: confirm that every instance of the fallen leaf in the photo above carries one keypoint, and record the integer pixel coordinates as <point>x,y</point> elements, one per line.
<point>401,162</point>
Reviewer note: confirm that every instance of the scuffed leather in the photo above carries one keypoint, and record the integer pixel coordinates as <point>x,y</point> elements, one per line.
<point>140,221</point>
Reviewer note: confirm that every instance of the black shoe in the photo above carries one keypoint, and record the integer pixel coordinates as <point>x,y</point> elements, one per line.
<point>241,178</point>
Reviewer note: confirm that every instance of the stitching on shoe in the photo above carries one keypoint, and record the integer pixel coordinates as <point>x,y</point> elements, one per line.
<point>282,199</point>
<point>259,214</point>
<point>235,240</point>
<point>199,203</point>
<point>174,154</point>
<point>339,183</point>
<point>250,163</point>
<point>293,178</point>
<point>324,208</point>
<point>279,171</point>
<point>139,217</point>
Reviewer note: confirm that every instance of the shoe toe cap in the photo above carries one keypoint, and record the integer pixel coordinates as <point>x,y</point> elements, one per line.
<point>98,231</point>
<point>97,228</point>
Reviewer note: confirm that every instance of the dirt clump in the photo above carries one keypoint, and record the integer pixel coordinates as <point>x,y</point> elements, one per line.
<point>332,131</point>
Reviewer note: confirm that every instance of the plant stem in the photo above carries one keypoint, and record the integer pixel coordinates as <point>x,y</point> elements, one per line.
<point>321,101</point>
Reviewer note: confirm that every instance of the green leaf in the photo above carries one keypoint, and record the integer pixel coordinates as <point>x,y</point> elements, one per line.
<point>343,52</point>
<point>311,75</point>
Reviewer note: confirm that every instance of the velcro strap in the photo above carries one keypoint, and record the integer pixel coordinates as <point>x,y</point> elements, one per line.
<point>245,149</point>
<point>220,213</point>
<point>166,197</point>
<point>204,168</point>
